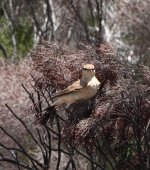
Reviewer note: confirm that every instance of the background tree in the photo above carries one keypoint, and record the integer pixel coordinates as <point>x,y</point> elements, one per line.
<point>26,22</point>
<point>127,23</point>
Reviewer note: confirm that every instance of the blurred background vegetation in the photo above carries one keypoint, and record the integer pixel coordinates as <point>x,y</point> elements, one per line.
<point>24,23</point>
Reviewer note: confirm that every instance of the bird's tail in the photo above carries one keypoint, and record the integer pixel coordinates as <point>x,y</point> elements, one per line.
<point>47,115</point>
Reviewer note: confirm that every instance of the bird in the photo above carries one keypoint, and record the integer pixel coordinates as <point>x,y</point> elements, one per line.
<point>82,89</point>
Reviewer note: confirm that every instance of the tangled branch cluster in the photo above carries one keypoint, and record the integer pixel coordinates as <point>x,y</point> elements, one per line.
<point>118,115</point>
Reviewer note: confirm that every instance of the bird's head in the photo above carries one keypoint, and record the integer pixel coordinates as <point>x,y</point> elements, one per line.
<point>88,71</point>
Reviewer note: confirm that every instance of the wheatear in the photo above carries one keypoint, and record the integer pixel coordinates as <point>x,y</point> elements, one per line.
<point>83,89</point>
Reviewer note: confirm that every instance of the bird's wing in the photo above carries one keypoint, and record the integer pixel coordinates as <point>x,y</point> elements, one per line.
<point>74,87</point>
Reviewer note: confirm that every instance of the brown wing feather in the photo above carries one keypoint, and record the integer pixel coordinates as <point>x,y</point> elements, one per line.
<point>74,87</point>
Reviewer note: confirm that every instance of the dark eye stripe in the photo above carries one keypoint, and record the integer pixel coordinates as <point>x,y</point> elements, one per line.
<point>87,69</point>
